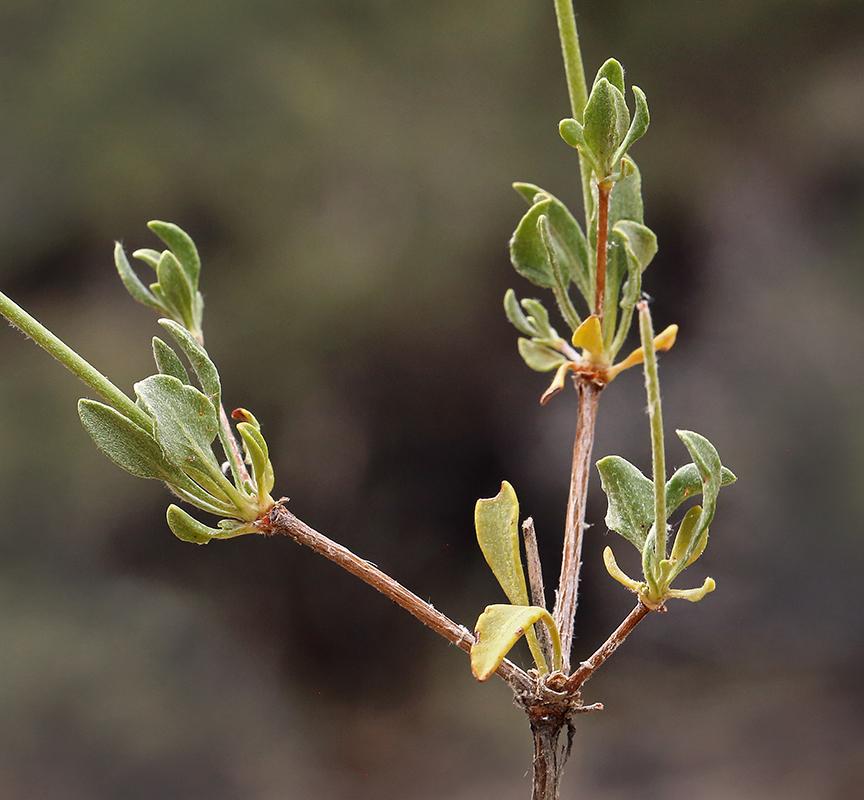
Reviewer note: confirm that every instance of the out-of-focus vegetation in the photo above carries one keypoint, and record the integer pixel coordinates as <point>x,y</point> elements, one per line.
<point>345,166</point>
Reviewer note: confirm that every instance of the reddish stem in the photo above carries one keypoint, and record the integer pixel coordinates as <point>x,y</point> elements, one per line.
<point>603,192</point>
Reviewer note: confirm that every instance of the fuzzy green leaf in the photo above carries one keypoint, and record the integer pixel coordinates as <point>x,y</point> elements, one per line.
<point>605,123</point>
<point>613,72</point>
<point>182,246</point>
<point>131,281</point>
<point>639,125</point>
<point>186,423</point>
<point>528,251</point>
<point>686,483</point>
<point>167,361</point>
<point>529,191</point>
<point>148,256</point>
<point>126,444</point>
<point>496,522</point>
<point>499,627</point>
<point>204,368</point>
<point>188,529</point>
<point>631,499</point>
<point>175,287</point>
<point>258,455</point>
<point>687,547</point>
<point>539,357</point>
<point>515,315</point>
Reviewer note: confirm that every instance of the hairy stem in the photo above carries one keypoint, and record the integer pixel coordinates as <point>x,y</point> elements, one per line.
<point>568,583</point>
<point>73,362</point>
<point>280,520</point>
<point>587,668</point>
<point>573,68</point>
<point>655,418</point>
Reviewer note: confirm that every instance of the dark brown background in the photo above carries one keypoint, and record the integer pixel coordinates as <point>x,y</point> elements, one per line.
<point>344,166</point>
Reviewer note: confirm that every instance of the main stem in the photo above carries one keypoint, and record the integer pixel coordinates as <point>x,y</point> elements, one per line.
<point>568,583</point>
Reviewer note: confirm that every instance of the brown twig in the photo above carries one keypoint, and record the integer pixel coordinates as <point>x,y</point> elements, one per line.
<point>568,583</point>
<point>587,668</point>
<point>535,581</point>
<point>280,520</point>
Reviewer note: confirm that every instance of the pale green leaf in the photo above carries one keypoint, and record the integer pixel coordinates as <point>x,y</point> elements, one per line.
<point>186,423</point>
<point>183,247</point>
<point>187,528</point>
<point>528,251</point>
<point>126,444</point>
<point>631,499</point>
<point>496,522</point>
<point>686,483</point>
<point>175,287</point>
<point>204,368</point>
<point>131,281</point>
<point>167,361</point>
<point>539,357</point>
<point>515,315</point>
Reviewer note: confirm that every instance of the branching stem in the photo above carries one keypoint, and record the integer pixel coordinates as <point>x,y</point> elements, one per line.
<point>587,668</point>
<point>280,520</point>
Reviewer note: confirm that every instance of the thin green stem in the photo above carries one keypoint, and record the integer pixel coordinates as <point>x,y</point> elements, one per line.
<point>577,88</point>
<point>655,417</point>
<point>72,361</point>
<point>573,68</point>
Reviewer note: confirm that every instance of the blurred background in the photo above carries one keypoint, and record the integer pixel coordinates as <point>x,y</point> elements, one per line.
<point>345,168</point>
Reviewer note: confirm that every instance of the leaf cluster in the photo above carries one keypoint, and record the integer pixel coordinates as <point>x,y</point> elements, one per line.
<point>631,513</point>
<point>172,437</point>
<point>551,250</point>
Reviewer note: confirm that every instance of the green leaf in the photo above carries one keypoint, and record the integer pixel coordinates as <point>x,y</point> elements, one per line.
<point>625,202</point>
<point>183,247</point>
<point>131,281</point>
<point>528,251</point>
<point>186,424</point>
<point>258,455</point>
<point>188,529</point>
<point>204,368</point>
<point>711,475</point>
<point>175,287</point>
<point>639,125</point>
<point>515,315</point>
<point>539,357</point>
<point>126,444</point>
<point>686,483</point>
<point>496,522</point>
<point>538,318</point>
<point>499,627</point>
<point>613,72</point>
<point>148,256</point>
<point>167,361</point>
<point>605,123</point>
<point>631,499</point>
<point>640,246</point>
<point>687,547</point>
<point>529,191</point>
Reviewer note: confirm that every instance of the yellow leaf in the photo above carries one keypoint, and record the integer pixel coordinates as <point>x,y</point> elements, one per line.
<point>499,627</point>
<point>662,341</point>
<point>589,337</point>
